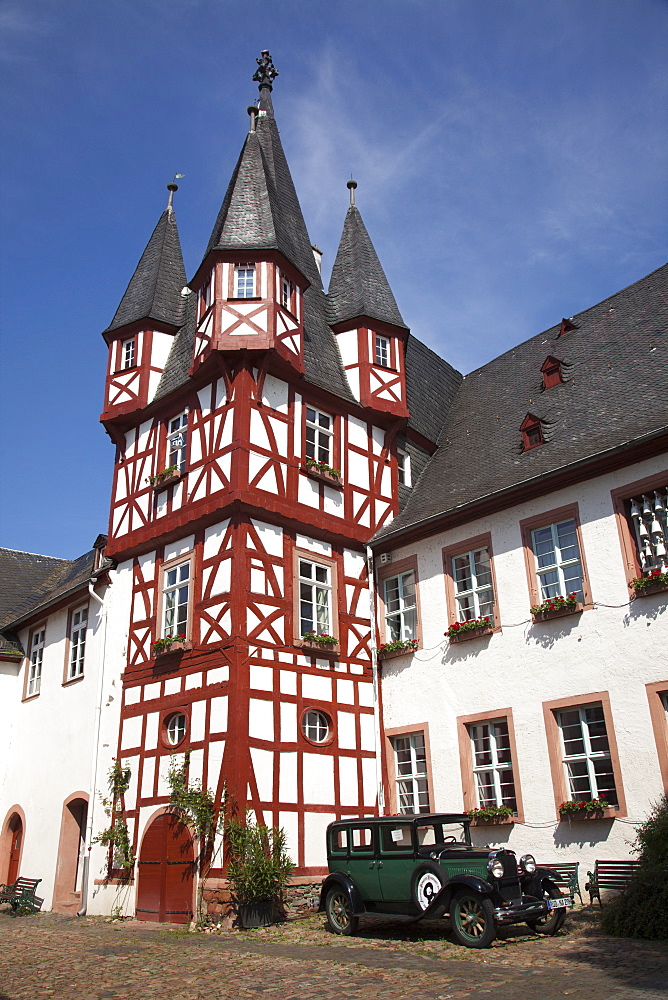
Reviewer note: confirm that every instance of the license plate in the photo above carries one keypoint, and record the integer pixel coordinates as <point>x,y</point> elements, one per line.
<point>559,904</point>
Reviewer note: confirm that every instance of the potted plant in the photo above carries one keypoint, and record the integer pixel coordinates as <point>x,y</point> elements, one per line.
<point>258,872</point>
<point>585,809</point>
<point>469,629</point>
<point>652,582</point>
<point>398,647</point>
<point>323,640</point>
<point>170,644</point>
<point>169,475</point>
<point>320,470</point>
<point>491,814</point>
<point>556,607</point>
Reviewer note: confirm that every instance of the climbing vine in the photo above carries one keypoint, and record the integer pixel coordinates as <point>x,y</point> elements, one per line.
<point>116,835</point>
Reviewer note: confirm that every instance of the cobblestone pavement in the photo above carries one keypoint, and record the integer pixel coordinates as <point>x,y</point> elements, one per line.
<point>66,958</point>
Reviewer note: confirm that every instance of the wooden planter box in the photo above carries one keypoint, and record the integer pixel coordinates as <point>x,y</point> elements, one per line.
<point>493,821</point>
<point>546,616</point>
<point>318,647</point>
<point>163,481</point>
<point>472,633</point>
<point>585,817</point>
<point>396,652</point>
<point>174,647</point>
<point>652,588</point>
<point>323,477</point>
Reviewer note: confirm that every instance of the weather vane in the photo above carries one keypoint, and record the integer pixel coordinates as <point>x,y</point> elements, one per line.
<point>266,72</point>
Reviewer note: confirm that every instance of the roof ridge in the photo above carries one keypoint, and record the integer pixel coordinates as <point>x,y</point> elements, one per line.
<point>24,552</point>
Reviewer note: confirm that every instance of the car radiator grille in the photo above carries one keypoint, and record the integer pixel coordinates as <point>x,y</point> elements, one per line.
<point>509,887</point>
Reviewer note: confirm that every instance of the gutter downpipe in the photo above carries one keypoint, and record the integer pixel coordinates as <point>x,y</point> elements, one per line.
<point>96,744</point>
<point>376,680</point>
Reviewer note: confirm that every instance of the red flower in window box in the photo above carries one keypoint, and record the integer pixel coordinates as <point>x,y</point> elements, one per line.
<point>653,582</point>
<point>470,629</point>
<point>556,607</point>
<point>398,647</point>
<point>170,644</point>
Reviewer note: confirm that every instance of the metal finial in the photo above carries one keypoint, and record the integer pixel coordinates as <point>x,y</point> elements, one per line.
<point>266,72</point>
<point>351,185</point>
<point>253,112</point>
<point>172,187</point>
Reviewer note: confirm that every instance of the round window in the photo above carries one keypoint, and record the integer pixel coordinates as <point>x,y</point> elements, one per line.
<point>316,726</point>
<point>175,728</point>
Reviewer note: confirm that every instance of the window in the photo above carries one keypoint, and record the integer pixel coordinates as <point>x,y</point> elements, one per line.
<point>78,625</point>
<point>128,354</point>
<point>382,351</point>
<point>315,597</point>
<point>472,578</point>
<point>532,432</point>
<point>404,467</point>
<point>586,754</point>
<point>177,441</point>
<point>316,726</point>
<point>557,555</point>
<point>176,600</point>
<point>400,607</point>
<point>319,430</point>
<point>244,281</point>
<point>551,372</point>
<point>286,292</point>
<point>492,764</point>
<point>175,728</point>
<point>35,665</point>
<point>657,694</point>
<point>410,764</point>
<point>650,529</point>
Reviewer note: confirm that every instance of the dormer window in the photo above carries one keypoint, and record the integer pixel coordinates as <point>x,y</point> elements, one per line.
<point>551,371</point>
<point>532,432</point>
<point>244,281</point>
<point>382,351</point>
<point>128,354</point>
<point>404,467</point>
<point>287,289</point>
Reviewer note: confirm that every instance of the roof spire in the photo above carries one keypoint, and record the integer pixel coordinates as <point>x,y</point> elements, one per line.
<point>351,185</point>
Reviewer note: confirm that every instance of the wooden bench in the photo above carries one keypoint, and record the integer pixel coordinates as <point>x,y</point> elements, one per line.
<point>22,895</point>
<point>567,871</point>
<point>612,875</point>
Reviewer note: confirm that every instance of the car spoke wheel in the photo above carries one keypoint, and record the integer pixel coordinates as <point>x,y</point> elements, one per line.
<point>339,912</point>
<point>472,919</point>
<point>554,921</point>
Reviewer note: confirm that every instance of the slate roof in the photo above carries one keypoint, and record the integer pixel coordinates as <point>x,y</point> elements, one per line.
<point>29,582</point>
<point>358,286</point>
<point>615,366</point>
<point>154,291</point>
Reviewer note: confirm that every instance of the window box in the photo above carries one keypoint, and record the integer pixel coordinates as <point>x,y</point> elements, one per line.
<point>327,644</point>
<point>461,635</point>
<point>400,647</point>
<point>583,811</point>
<point>557,607</point>
<point>165,647</point>
<point>323,474</point>
<point>165,478</point>
<point>654,583</point>
<point>491,820</point>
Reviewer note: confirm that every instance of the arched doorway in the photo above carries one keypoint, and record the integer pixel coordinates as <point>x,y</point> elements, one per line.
<point>15,843</point>
<point>166,872</point>
<point>67,887</point>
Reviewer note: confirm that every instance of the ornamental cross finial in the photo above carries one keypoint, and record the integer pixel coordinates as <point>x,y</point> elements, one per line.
<point>266,72</point>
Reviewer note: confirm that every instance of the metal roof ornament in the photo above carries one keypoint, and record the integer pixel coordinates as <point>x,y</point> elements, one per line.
<point>351,185</point>
<point>266,72</point>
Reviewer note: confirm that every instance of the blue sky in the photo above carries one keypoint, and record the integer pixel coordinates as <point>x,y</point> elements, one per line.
<point>511,161</point>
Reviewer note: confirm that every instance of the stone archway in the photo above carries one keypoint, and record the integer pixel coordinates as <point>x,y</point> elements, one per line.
<point>166,872</point>
<point>67,887</point>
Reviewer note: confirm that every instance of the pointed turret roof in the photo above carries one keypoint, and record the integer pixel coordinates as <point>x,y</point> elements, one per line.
<point>155,288</point>
<point>358,286</point>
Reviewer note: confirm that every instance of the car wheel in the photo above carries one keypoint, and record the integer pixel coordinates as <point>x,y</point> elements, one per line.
<point>339,912</point>
<point>555,920</point>
<point>427,882</point>
<point>472,919</point>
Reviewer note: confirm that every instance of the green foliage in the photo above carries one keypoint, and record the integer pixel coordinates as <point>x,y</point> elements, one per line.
<point>491,812</point>
<point>116,835</point>
<point>641,909</point>
<point>194,803</point>
<point>259,865</point>
<point>319,639</point>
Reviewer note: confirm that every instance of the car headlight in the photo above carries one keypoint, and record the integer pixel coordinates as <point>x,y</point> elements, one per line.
<point>495,867</point>
<point>528,863</point>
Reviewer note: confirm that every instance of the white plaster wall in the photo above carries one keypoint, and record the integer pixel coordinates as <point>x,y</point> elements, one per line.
<point>614,648</point>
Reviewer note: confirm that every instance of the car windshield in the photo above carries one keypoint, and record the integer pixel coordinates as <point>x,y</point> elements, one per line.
<point>436,834</point>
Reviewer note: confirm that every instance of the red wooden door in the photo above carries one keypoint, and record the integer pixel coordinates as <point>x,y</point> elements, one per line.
<point>16,827</point>
<point>166,872</point>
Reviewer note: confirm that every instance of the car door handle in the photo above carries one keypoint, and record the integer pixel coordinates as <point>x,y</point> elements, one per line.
<point>371,864</point>
<point>380,864</point>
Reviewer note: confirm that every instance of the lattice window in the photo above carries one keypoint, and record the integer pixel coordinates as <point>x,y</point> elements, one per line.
<point>410,762</point>
<point>400,607</point>
<point>35,667</point>
<point>319,430</point>
<point>177,441</point>
<point>558,563</point>
<point>175,600</point>
<point>244,281</point>
<point>492,764</point>
<point>128,354</point>
<point>472,578</point>
<point>78,626</point>
<point>586,754</point>
<point>315,597</point>
<point>382,351</point>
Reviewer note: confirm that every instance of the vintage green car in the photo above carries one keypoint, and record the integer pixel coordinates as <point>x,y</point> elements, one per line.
<point>424,866</point>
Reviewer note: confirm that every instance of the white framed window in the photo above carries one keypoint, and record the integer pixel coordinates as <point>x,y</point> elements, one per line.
<point>664,702</point>
<point>78,626</point>
<point>286,292</point>
<point>315,598</point>
<point>492,764</point>
<point>382,351</point>
<point>35,664</point>
<point>586,754</point>
<point>319,431</point>
<point>558,563</point>
<point>472,580</point>
<point>176,600</point>
<point>400,607</point>
<point>177,441</point>
<point>404,467</point>
<point>316,726</point>
<point>410,765</point>
<point>175,728</point>
<point>128,354</point>
<point>244,281</point>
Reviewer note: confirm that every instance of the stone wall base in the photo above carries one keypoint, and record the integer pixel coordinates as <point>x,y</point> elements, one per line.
<point>301,898</point>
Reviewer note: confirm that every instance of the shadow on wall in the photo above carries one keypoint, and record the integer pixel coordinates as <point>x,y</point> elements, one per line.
<point>581,833</point>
